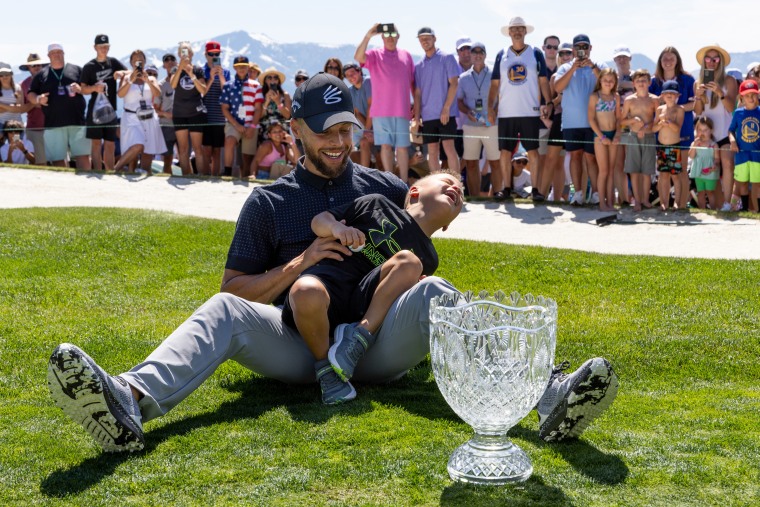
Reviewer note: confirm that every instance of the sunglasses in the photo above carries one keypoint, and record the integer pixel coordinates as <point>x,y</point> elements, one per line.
<point>713,59</point>
<point>332,67</point>
<point>478,52</point>
<point>300,78</point>
<point>388,35</point>
<point>6,75</point>
<point>549,46</point>
<point>170,59</point>
<point>565,53</point>
<point>520,161</point>
<point>582,46</point>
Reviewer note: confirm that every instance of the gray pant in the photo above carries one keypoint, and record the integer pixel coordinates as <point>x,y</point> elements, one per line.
<point>37,138</point>
<point>229,327</point>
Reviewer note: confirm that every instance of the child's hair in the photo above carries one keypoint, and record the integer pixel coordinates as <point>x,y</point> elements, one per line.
<point>407,200</point>
<point>641,73</point>
<point>606,72</point>
<point>704,120</point>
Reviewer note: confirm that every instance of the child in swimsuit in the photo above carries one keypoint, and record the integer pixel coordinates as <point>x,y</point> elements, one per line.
<point>705,162</point>
<point>668,123</point>
<point>604,116</point>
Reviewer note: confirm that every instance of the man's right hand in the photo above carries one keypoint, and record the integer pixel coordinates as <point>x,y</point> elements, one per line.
<point>323,248</point>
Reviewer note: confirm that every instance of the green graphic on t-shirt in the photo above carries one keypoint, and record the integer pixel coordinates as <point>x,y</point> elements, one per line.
<point>378,237</point>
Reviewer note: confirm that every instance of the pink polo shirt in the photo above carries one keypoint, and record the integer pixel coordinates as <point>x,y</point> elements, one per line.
<point>392,74</point>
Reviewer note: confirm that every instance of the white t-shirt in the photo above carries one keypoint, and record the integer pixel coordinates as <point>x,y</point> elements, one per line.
<point>17,157</point>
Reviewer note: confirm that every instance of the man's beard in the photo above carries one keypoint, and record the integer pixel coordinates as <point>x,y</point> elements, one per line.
<point>321,167</point>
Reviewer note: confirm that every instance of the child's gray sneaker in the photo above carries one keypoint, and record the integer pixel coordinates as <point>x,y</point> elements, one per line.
<point>334,390</point>
<point>101,403</point>
<point>351,342</point>
<point>572,401</point>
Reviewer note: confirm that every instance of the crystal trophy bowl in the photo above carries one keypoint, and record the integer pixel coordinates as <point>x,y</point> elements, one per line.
<point>491,356</point>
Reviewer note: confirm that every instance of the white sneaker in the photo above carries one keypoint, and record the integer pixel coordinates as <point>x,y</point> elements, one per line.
<point>594,198</point>
<point>726,206</point>
<point>577,199</point>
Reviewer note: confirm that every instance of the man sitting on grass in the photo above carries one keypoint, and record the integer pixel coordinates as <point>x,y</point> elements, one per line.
<point>272,246</point>
<point>361,288</point>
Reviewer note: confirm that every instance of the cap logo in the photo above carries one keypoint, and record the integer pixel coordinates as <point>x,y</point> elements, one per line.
<point>295,106</point>
<point>332,95</point>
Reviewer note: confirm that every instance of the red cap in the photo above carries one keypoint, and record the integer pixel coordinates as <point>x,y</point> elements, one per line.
<point>748,86</point>
<point>213,47</point>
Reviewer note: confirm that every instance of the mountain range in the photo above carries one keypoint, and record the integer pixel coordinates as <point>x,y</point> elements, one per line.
<point>290,57</point>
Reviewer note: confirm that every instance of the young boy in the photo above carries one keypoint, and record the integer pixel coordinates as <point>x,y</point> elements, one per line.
<point>362,287</point>
<point>638,116</point>
<point>668,123</point>
<point>744,134</point>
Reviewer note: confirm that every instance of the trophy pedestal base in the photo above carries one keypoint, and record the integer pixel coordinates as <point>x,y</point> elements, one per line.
<point>488,459</point>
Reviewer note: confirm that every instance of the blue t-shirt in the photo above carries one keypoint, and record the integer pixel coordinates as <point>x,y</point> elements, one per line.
<point>232,95</point>
<point>431,76</point>
<point>575,96</point>
<point>473,87</point>
<point>686,90</point>
<point>361,96</point>
<point>274,225</point>
<point>745,126</point>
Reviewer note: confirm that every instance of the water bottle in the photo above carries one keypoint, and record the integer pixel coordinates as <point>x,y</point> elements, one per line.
<point>482,119</point>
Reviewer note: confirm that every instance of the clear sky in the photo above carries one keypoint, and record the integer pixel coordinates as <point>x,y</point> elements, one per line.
<point>645,26</point>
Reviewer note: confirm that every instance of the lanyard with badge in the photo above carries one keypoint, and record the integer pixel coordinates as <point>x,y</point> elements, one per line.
<point>479,100</point>
<point>61,88</point>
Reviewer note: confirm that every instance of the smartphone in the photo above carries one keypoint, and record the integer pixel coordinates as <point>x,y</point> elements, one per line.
<point>386,28</point>
<point>581,54</point>
<point>139,66</point>
<point>274,87</point>
<point>16,138</point>
<point>184,53</point>
<point>708,76</point>
<point>216,61</point>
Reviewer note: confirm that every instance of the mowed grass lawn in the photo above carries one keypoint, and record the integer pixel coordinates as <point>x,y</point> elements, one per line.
<point>682,335</point>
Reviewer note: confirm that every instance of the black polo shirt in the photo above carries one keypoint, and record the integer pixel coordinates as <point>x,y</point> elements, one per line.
<point>274,225</point>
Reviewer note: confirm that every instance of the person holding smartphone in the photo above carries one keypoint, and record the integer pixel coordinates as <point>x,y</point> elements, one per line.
<point>715,93</point>
<point>670,67</point>
<point>188,110</point>
<point>15,148</point>
<point>277,102</point>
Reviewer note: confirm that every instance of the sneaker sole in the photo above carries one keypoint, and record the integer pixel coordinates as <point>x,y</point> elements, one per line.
<point>350,396</point>
<point>584,403</point>
<point>79,388</point>
<point>331,353</point>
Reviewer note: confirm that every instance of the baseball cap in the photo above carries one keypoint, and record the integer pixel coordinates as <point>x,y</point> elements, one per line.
<point>4,67</point>
<point>255,66</point>
<point>520,155</point>
<point>464,42</point>
<point>241,60</point>
<point>425,30</point>
<point>621,51</point>
<point>478,45</point>
<point>168,56</point>
<point>581,38</point>
<point>352,65</point>
<point>213,47</point>
<point>736,74</point>
<point>101,39</point>
<point>323,101</point>
<point>565,46</point>
<point>748,86</point>
<point>670,86</point>
<point>302,73</point>
<point>54,46</point>
<point>151,68</point>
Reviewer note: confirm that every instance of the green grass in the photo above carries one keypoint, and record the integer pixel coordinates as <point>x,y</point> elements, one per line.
<point>682,335</point>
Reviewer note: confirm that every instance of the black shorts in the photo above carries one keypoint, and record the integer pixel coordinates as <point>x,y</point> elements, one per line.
<point>213,135</point>
<point>524,127</point>
<point>579,139</point>
<point>170,137</point>
<point>434,131</point>
<point>346,305</point>
<point>105,132</point>
<point>459,143</point>
<point>555,134</point>
<point>193,123</point>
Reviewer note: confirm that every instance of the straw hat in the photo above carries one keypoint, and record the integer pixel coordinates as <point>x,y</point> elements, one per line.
<point>514,22</point>
<point>725,58</point>
<point>271,71</point>
<point>33,59</point>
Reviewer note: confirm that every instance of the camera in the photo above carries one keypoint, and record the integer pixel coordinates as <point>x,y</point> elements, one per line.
<point>581,54</point>
<point>139,66</point>
<point>386,28</point>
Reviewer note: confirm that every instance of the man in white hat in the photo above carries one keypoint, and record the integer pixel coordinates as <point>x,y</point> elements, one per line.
<point>519,81</point>
<point>56,88</point>
<point>35,119</point>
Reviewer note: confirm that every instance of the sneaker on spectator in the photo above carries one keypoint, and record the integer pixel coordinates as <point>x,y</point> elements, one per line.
<point>334,390</point>
<point>571,402</point>
<point>351,342</point>
<point>577,199</point>
<point>594,198</point>
<point>726,206</point>
<point>101,403</point>
<point>537,196</point>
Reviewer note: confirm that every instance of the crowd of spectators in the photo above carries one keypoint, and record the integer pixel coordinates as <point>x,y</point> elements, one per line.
<point>552,115</point>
